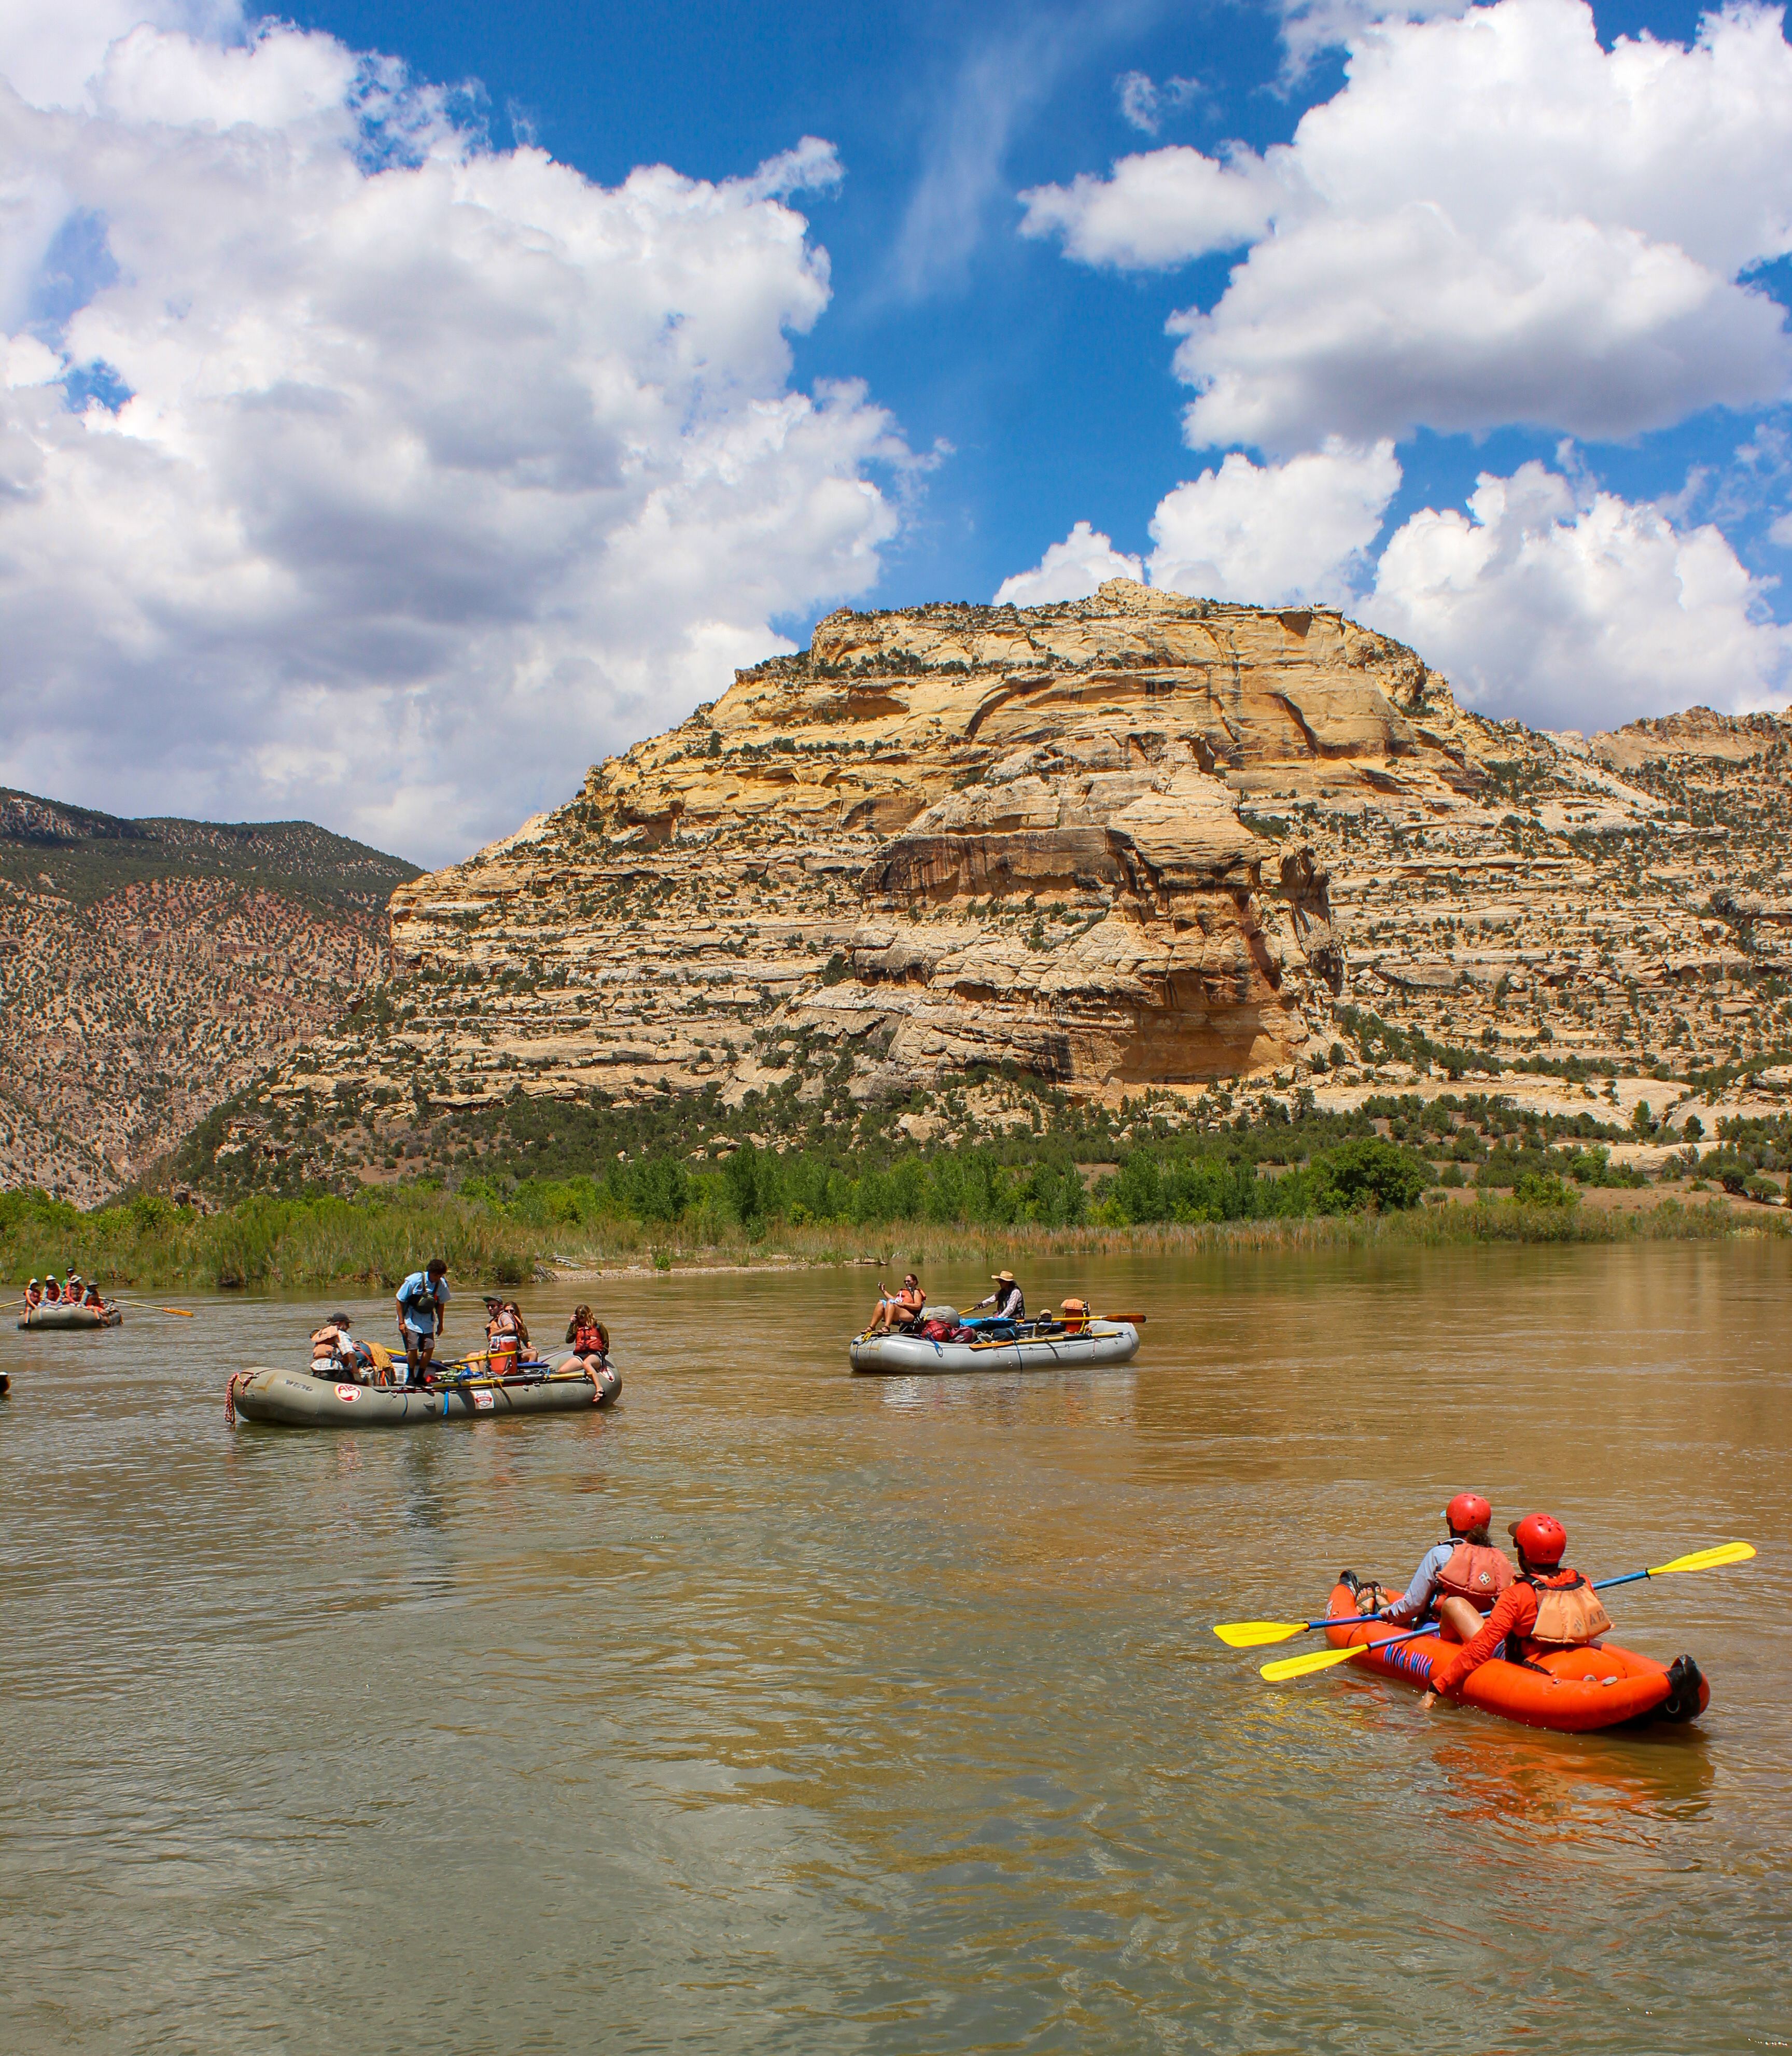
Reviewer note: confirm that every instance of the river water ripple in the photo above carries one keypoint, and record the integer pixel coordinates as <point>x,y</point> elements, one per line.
<point>776,1710</point>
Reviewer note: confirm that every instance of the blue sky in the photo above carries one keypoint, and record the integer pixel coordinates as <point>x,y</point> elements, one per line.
<point>366,402</point>
<point>1051,384</point>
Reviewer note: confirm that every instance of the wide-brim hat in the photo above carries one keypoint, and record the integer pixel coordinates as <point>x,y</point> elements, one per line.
<point>1002,1277</point>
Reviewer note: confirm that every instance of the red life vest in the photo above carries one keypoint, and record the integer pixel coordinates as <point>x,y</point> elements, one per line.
<point>1476,1573</point>
<point>590,1342</point>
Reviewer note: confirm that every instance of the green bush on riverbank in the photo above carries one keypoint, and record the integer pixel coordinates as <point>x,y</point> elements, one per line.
<point>755,1202</point>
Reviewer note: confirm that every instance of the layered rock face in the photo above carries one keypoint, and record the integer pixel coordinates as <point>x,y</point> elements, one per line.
<point>939,837</point>
<point>1133,841</point>
<point>149,968</point>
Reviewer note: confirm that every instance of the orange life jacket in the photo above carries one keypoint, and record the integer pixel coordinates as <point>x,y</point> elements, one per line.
<point>1476,1573</point>
<point>590,1342</point>
<point>1568,1613</point>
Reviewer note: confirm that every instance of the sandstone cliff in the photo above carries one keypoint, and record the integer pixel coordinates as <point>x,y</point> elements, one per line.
<point>147,968</point>
<point>1135,840</point>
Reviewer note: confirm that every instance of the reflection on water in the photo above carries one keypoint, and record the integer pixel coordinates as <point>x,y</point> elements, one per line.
<point>779,1709</point>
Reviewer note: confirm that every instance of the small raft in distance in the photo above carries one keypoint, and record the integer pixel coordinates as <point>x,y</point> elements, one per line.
<point>1571,1690</point>
<point>295,1399</point>
<point>111,1315</point>
<point>1094,1346</point>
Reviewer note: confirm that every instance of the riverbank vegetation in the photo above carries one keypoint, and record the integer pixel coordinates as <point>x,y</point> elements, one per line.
<point>1299,1182</point>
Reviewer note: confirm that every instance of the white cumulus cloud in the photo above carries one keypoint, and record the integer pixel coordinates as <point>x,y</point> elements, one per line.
<point>1495,220</point>
<point>1270,533</point>
<point>417,474</point>
<point>1069,570</point>
<point>50,52</point>
<point>1571,607</point>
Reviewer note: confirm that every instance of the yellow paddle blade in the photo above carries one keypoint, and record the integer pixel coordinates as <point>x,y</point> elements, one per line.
<point>1256,1634</point>
<point>1707,1560</point>
<point>1285,1668</point>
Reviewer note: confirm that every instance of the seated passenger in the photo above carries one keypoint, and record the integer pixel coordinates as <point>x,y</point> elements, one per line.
<point>93,1297</point>
<point>333,1352</point>
<point>902,1311</point>
<point>590,1340</point>
<point>505,1335</point>
<point>1546,1607</point>
<point>52,1292</point>
<point>1459,1581</point>
<point>33,1295</point>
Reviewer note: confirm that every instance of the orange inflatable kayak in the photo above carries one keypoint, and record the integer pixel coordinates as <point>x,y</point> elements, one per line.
<point>1601,1685</point>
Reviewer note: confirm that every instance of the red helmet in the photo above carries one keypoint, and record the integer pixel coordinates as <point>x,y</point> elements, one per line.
<point>1467,1511</point>
<point>1541,1537</point>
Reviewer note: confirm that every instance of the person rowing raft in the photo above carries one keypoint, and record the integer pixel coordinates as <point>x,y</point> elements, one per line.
<point>1008,1299</point>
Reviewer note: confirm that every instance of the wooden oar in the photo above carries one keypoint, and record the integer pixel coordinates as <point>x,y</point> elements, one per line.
<point>150,1307</point>
<point>1323,1659</point>
<point>1259,1633</point>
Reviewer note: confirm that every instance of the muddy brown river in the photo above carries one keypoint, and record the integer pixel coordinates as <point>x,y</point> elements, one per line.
<point>782,1711</point>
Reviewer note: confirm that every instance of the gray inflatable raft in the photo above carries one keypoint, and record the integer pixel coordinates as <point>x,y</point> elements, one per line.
<point>914,1356</point>
<point>294,1399</point>
<point>60,1316</point>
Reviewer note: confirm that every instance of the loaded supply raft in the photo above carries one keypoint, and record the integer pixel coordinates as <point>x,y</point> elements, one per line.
<point>57,1314</point>
<point>943,1343</point>
<point>295,1399</point>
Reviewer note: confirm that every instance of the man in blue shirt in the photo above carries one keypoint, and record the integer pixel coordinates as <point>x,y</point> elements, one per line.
<point>422,1302</point>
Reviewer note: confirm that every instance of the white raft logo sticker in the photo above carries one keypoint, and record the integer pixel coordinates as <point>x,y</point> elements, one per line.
<point>347,1392</point>
<point>484,1402</point>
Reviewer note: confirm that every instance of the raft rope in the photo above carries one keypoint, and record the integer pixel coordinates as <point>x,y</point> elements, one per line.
<point>230,1395</point>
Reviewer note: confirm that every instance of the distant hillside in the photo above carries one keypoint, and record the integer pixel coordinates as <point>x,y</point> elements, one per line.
<point>88,855</point>
<point>149,967</point>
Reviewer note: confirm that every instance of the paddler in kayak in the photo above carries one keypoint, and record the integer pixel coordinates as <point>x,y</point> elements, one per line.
<point>1459,1582</point>
<point>1547,1605</point>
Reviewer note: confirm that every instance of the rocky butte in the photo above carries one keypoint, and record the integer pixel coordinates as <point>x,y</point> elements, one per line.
<point>1134,840</point>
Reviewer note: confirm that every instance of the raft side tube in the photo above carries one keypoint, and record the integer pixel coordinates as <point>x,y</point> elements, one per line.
<point>294,1399</point>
